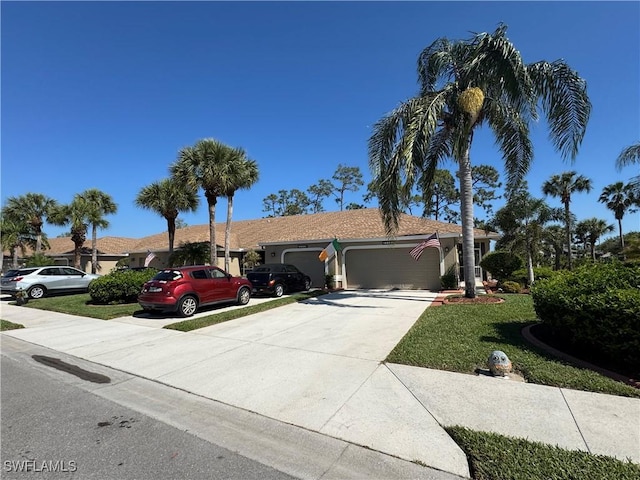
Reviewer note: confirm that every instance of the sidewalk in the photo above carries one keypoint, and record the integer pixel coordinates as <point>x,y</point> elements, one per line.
<point>263,366</point>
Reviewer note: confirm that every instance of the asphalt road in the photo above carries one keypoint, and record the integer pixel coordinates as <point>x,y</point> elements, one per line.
<point>57,430</point>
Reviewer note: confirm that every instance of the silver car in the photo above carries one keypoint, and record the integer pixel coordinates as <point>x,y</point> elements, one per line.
<point>38,282</point>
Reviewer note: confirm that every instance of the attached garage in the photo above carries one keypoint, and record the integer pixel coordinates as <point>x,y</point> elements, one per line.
<point>307,262</point>
<point>386,267</point>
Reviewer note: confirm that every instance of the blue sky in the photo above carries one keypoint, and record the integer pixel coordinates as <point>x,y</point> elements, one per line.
<point>104,94</point>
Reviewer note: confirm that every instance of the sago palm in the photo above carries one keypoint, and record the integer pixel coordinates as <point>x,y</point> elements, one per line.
<point>563,186</point>
<point>619,198</point>
<point>168,198</point>
<point>464,85</point>
<point>99,205</point>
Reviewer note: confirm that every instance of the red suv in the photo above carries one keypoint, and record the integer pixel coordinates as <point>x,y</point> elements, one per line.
<point>185,289</point>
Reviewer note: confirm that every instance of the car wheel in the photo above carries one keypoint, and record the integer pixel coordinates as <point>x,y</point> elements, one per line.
<point>307,283</point>
<point>278,290</point>
<point>37,291</point>
<point>244,295</point>
<point>187,306</point>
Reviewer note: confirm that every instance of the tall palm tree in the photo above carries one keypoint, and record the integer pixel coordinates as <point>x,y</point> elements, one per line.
<point>629,156</point>
<point>168,198</point>
<point>593,229</point>
<point>619,198</point>
<point>32,209</point>
<point>464,85</point>
<point>562,186</point>
<point>75,214</point>
<point>203,166</point>
<point>99,204</point>
<point>241,173</point>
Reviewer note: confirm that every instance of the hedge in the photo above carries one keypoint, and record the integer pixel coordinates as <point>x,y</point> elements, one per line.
<point>121,286</point>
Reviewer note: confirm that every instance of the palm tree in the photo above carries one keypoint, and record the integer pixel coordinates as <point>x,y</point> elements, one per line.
<point>629,156</point>
<point>203,166</point>
<point>168,198</point>
<point>562,186</point>
<point>241,173</point>
<point>554,236</point>
<point>593,229</point>
<point>32,209</point>
<point>77,215</point>
<point>463,85</point>
<point>619,198</point>
<point>15,236</point>
<point>99,204</point>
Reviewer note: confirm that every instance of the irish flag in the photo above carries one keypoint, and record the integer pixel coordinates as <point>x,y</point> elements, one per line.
<point>330,250</point>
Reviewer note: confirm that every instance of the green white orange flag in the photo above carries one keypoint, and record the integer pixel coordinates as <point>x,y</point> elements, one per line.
<point>330,250</point>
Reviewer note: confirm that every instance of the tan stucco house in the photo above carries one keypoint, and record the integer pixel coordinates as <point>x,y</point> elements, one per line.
<point>368,258</point>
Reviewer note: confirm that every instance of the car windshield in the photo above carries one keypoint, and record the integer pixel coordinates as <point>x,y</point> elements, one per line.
<point>262,269</point>
<point>25,271</point>
<point>167,275</point>
<point>10,273</point>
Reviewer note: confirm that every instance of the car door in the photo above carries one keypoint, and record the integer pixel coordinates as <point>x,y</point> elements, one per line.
<point>74,279</point>
<point>52,278</point>
<point>202,285</point>
<point>294,277</point>
<point>221,285</point>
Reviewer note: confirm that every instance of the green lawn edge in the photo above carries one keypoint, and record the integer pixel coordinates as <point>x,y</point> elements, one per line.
<point>7,325</point>
<point>498,457</point>
<point>201,322</point>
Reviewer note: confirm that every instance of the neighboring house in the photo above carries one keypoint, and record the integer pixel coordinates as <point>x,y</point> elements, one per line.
<point>368,259</point>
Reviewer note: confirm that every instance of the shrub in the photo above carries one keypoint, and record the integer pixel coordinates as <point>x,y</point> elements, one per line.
<point>595,307</point>
<point>449,280</point>
<point>539,273</point>
<point>501,265</point>
<point>511,287</point>
<point>120,286</point>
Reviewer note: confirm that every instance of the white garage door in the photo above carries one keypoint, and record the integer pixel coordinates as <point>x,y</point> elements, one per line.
<point>392,268</point>
<point>308,263</point>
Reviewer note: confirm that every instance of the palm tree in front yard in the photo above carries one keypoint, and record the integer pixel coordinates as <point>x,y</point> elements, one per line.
<point>99,205</point>
<point>168,198</point>
<point>593,229</point>
<point>31,209</point>
<point>562,186</point>
<point>75,214</point>
<point>463,86</point>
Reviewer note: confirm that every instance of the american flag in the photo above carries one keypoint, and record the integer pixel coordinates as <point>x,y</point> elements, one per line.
<point>150,256</point>
<point>431,241</point>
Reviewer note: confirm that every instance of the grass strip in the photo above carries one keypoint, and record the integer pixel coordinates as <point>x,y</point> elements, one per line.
<point>7,325</point>
<point>81,305</point>
<point>459,338</point>
<point>497,457</point>
<point>201,322</point>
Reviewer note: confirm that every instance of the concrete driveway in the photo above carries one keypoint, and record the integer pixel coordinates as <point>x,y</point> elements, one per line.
<point>314,364</point>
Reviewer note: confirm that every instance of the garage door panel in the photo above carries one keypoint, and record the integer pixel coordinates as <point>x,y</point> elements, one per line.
<point>392,268</point>
<point>308,263</point>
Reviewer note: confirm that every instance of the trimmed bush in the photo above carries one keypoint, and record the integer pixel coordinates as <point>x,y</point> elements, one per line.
<point>449,280</point>
<point>501,265</point>
<point>120,286</point>
<point>511,287</point>
<point>595,307</point>
<point>539,273</point>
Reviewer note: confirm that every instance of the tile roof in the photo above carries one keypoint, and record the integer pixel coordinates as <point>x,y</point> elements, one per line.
<point>106,245</point>
<point>344,225</point>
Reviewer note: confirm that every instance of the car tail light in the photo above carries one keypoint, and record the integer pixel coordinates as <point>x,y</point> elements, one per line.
<point>271,283</point>
<point>15,279</point>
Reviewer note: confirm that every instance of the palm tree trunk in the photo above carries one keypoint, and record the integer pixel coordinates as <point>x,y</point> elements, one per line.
<point>557,259</point>
<point>466,209</point>
<point>227,234</point>
<point>624,257</point>
<point>530,274</point>
<point>213,247</point>
<point>171,229</point>
<point>15,257</point>
<point>94,248</point>
<point>567,216</point>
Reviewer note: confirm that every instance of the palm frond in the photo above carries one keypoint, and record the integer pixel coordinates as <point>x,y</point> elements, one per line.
<point>434,62</point>
<point>628,156</point>
<point>512,137</point>
<point>565,102</point>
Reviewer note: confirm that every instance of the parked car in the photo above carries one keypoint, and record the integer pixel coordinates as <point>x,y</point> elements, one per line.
<point>39,282</point>
<point>184,289</point>
<point>278,278</point>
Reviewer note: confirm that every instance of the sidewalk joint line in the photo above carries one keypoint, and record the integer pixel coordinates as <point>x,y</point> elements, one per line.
<point>413,395</point>
<point>575,421</point>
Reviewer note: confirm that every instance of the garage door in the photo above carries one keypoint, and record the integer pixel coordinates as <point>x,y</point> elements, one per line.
<point>392,268</point>
<point>308,263</point>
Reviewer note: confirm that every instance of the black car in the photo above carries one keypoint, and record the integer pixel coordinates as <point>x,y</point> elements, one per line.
<point>278,278</point>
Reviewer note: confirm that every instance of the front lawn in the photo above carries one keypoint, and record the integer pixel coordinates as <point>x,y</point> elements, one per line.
<point>459,338</point>
<point>7,325</point>
<point>81,305</point>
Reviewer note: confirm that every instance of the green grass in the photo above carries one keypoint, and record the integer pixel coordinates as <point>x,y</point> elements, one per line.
<point>496,457</point>
<point>201,322</point>
<point>459,338</point>
<point>81,305</point>
<point>7,325</point>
